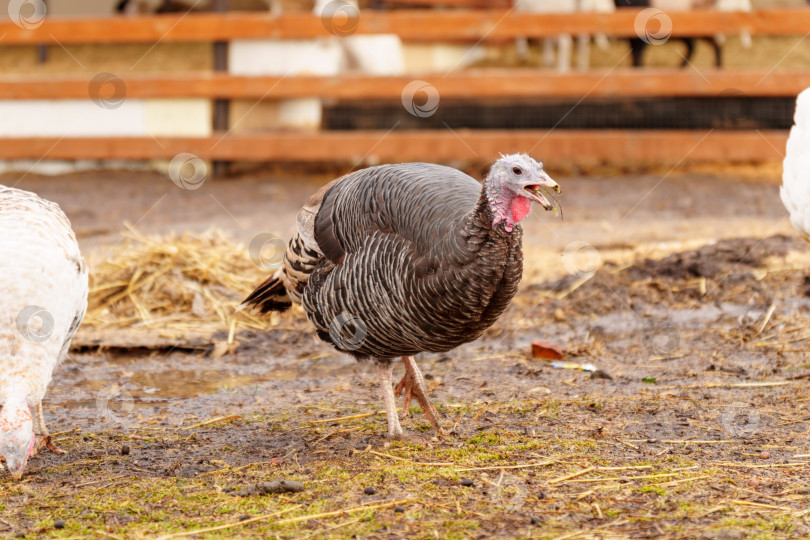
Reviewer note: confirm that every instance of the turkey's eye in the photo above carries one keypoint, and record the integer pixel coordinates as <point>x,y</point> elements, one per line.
<point>517,170</point>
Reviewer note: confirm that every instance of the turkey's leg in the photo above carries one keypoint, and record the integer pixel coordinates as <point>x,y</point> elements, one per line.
<point>43,439</point>
<point>413,383</point>
<point>385,372</point>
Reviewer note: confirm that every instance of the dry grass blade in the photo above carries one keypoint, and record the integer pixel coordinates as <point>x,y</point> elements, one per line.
<point>344,511</point>
<point>683,480</point>
<point>627,444</point>
<point>765,320</point>
<point>344,418</point>
<point>572,475</point>
<point>212,421</point>
<point>620,478</point>
<point>798,464</point>
<point>229,525</point>
<point>758,505</point>
<point>106,534</point>
<point>229,469</point>
<point>504,467</point>
<point>412,462</point>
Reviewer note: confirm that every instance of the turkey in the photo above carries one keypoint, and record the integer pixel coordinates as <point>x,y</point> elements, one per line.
<point>43,298</point>
<point>795,189</point>
<point>394,260</point>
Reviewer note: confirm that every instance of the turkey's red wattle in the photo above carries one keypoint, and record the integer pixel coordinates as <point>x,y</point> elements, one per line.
<point>510,210</point>
<point>520,209</point>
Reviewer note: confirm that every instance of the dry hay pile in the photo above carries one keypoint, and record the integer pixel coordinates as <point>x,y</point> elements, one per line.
<point>174,290</point>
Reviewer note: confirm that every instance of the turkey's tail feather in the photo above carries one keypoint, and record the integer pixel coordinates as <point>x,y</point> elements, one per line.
<point>271,295</point>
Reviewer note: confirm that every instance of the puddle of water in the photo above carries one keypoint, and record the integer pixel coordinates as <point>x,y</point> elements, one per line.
<point>126,389</point>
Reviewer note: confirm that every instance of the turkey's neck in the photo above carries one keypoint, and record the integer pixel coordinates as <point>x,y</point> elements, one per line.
<point>14,403</point>
<point>505,207</point>
<point>493,217</point>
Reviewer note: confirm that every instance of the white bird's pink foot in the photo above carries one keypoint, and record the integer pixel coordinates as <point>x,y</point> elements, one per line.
<point>43,438</point>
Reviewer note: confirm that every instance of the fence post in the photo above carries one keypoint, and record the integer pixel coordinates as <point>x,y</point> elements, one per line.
<point>221,106</point>
<point>42,49</point>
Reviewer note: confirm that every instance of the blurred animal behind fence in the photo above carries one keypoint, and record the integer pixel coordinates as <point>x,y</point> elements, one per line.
<point>639,45</point>
<point>142,7</point>
<point>563,44</point>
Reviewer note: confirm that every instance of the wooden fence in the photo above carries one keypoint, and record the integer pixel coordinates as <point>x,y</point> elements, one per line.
<point>399,145</point>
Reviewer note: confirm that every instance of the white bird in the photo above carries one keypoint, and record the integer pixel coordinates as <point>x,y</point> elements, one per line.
<point>43,299</point>
<point>795,189</point>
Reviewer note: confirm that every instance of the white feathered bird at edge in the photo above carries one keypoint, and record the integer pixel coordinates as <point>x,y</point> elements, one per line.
<point>43,299</point>
<point>795,189</point>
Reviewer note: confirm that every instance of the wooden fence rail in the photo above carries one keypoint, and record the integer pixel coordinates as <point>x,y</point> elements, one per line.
<point>572,146</point>
<point>468,84</point>
<point>410,25</point>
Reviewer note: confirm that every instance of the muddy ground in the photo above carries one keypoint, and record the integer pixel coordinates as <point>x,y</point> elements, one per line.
<point>686,292</point>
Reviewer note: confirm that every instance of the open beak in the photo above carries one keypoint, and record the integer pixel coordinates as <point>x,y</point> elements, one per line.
<point>537,192</point>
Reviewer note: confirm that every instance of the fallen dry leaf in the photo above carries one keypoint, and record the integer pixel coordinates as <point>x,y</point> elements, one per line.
<point>544,349</point>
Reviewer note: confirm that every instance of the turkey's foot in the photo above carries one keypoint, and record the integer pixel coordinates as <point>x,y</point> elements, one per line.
<point>412,386</point>
<point>45,441</point>
<point>43,438</point>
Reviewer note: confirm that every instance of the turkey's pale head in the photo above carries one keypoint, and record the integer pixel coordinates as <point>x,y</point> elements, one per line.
<point>17,437</point>
<point>513,183</point>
